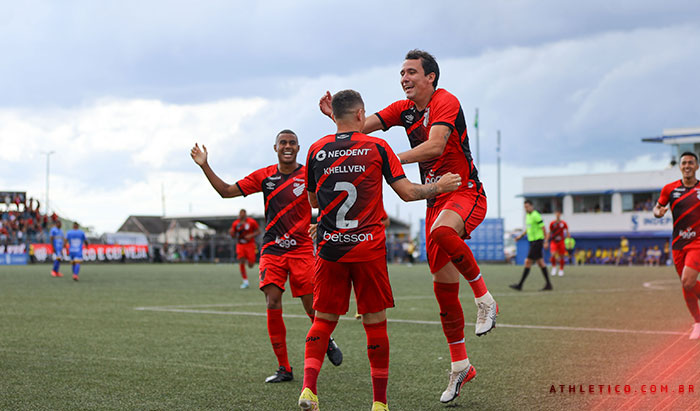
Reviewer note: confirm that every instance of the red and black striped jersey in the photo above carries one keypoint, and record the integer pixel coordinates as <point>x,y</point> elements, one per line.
<point>443,109</point>
<point>684,203</point>
<point>287,210</point>
<point>241,228</point>
<point>558,230</point>
<point>345,172</point>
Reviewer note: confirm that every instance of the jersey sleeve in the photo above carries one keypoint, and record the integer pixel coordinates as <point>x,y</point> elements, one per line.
<point>232,230</point>
<point>391,115</point>
<point>254,225</point>
<point>309,174</point>
<point>665,195</point>
<point>444,111</point>
<point>252,183</point>
<point>391,166</point>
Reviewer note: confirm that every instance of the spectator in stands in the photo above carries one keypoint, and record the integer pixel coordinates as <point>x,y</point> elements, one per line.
<point>654,256</point>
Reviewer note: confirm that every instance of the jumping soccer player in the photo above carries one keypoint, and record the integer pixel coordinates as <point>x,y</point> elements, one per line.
<point>558,232</point>
<point>536,234</point>
<point>683,197</point>
<point>57,240</point>
<point>344,180</point>
<point>244,230</point>
<point>76,239</point>
<point>287,250</point>
<point>437,131</point>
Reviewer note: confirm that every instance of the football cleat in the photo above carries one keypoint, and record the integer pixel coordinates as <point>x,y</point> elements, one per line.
<point>695,334</point>
<point>487,310</point>
<point>335,356</point>
<point>547,287</point>
<point>308,400</point>
<point>457,380</point>
<point>244,286</point>
<point>516,287</point>
<point>379,406</point>
<point>56,274</point>
<point>281,375</point>
<point>561,272</point>
<point>75,277</point>
<point>553,271</point>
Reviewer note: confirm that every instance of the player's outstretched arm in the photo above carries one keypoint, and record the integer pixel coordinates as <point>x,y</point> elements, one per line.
<point>429,149</point>
<point>409,191</point>
<point>659,210</point>
<point>224,189</point>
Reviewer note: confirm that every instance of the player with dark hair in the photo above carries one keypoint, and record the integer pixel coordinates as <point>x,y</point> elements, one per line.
<point>558,232</point>
<point>683,198</point>
<point>76,239</point>
<point>344,180</point>
<point>244,230</point>
<point>536,234</point>
<point>437,131</point>
<point>56,237</point>
<point>287,250</point>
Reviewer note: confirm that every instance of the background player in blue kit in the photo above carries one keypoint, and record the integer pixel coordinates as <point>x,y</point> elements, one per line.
<point>56,238</point>
<point>76,239</point>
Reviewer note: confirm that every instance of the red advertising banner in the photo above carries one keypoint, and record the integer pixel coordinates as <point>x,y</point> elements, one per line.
<point>96,252</point>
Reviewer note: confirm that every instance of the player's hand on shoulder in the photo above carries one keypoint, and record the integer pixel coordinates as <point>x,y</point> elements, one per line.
<point>325,104</point>
<point>449,182</point>
<point>199,155</point>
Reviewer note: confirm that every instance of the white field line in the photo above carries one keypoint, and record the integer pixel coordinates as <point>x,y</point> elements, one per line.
<point>659,284</point>
<point>402,321</point>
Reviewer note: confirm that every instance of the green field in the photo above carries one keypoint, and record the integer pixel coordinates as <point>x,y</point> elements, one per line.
<point>186,337</point>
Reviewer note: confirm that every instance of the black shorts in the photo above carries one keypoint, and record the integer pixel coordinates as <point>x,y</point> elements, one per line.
<point>535,252</point>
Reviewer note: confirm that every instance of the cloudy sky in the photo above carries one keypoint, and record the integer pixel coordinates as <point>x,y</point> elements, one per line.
<point>121,90</point>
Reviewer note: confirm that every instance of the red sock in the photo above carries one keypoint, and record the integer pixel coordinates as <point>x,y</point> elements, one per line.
<point>553,261</point>
<point>378,353</point>
<point>449,241</point>
<point>315,351</point>
<point>561,263</point>
<point>452,318</point>
<point>278,336</point>
<point>243,273</point>
<point>691,300</point>
<point>696,289</point>
<point>311,316</point>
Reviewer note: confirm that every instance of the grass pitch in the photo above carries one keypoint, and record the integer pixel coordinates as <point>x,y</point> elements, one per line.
<point>164,337</point>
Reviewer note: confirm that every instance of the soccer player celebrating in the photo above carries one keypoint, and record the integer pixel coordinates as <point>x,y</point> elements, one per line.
<point>344,180</point>
<point>56,238</point>
<point>558,232</point>
<point>244,230</point>
<point>76,239</point>
<point>683,197</point>
<point>536,233</point>
<point>287,250</point>
<point>437,131</point>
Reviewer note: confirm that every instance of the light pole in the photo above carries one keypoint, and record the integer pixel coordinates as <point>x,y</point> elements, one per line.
<point>48,156</point>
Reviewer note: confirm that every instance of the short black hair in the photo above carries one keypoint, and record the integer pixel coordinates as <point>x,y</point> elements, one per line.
<point>345,102</point>
<point>689,153</point>
<point>427,61</point>
<point>527,202</point>
<point>286,131</point>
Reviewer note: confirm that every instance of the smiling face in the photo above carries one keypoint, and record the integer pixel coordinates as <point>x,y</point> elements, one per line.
<point>287,147</point>
<point>688,165</point>
<point>417,86</point>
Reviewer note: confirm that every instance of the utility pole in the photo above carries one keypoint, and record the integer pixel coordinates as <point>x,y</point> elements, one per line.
<point>48,156</point>
<point>498,169</point>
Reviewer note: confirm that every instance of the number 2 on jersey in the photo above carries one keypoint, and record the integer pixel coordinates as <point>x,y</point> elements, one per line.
<point>340,220</point>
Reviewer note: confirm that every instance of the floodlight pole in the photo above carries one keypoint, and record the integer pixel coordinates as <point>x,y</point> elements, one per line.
<point>478,163</point>
<point>498,168</point>
<point>48,156</point>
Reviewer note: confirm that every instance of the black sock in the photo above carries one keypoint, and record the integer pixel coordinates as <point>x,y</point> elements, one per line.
<point>526,271</point>
<point>546,277</point>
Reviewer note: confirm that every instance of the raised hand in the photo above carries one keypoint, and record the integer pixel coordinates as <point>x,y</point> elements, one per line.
<point>325,104</point>
<point>199,156</point>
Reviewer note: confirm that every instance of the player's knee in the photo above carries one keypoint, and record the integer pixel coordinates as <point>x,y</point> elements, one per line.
<point>440,234</point>
<point>688,283</point>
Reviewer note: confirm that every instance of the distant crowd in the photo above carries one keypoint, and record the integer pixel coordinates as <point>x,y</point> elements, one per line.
<point>651,256</point>
<point>22,222</point>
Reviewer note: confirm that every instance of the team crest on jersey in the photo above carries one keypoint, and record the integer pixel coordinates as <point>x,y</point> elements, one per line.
<point>426,116</point>
<point>298,188</point>
<point>676,194</point>
<point>321,155</point>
